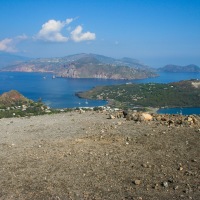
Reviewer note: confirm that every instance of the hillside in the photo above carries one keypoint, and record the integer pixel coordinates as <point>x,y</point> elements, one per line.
<point>12,98</point>
<point>14,104</point>
<point>178,94</point>
<point>87,66</point>
<point>177,68</point>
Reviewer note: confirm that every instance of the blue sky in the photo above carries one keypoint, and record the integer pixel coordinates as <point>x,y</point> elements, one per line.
<point>156,32</point>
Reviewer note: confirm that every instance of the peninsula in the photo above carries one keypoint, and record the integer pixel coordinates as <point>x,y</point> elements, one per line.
<point>177,94</point>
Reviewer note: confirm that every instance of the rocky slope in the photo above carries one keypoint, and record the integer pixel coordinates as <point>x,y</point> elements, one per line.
<point>87,66</point>
<point>88,155</point>
<point>11,98</point>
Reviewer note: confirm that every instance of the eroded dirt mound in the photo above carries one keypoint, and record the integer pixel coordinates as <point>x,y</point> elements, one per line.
<point>88,156</point>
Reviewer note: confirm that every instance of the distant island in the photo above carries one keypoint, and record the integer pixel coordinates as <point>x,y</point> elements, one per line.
<point>177,94</point>
<point>177,68</point>
<point>86,66</point>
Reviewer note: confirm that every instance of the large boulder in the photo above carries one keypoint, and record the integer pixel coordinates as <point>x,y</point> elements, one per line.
<point>146,117</point>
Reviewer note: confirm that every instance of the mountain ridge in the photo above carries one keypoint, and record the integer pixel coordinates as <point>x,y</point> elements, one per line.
<point>86,66</point>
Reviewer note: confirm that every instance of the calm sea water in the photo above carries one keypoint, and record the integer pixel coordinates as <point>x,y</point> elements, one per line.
<point>184,111</point>
<point>60,92</point>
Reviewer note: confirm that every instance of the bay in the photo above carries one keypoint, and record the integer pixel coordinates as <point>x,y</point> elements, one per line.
<point>183,111</point>
<point>56,93</point>
<point>60,92</point>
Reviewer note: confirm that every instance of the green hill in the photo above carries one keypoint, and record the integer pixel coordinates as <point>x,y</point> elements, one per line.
<point>178,94</point>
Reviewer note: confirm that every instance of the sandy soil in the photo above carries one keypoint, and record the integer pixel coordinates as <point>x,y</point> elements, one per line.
<point>88,156</point>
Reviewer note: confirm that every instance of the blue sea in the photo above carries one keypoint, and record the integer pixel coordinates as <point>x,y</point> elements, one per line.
<point>60,92</point>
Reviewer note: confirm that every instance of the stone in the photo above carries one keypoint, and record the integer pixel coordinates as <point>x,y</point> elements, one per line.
<point>141,118</point>
<point>81,111</point>
<point>129,117</point>
<point>119,115</point>
<point>175,187</point>
<point>137,182</point>
<point>144,165</point>
<point>180,168</point>
<point>165,184</point>
<point>163,119</point>
<point>156,186</point>
<point>195,120</point>
<point>170,122</point>
<point>125,113</point>
<point>189,119</point>
<point>135,117</point>
<point>158,118</point>
<point>111,116</point>
<point>171,180</point>
<point>147,117</point>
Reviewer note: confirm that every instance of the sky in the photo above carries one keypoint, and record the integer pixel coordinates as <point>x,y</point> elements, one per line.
<point>156,32</point>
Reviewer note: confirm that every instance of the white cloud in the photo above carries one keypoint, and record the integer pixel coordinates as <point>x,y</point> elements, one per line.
<point>78,36</point>
<point>7,45</point>
<point>22,37</point>
<point>51,31</point>
<point>68,21</point>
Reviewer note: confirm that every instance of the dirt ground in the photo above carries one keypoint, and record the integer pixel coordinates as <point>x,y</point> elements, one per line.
<point>88,156</point>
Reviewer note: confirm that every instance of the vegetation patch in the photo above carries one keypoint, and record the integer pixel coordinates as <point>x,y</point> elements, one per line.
<point>13,104</point>
<point>177,94</point>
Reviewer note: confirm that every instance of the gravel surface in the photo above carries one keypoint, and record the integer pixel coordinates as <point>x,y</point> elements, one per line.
<point>88,156</point>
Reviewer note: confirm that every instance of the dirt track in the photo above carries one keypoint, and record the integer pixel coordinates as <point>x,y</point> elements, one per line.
<point>87,156</point>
